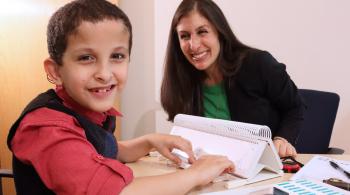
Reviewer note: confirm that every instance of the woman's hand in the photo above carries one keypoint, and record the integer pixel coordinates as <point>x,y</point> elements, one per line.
<point>164,144</point>
<point>283,147</point>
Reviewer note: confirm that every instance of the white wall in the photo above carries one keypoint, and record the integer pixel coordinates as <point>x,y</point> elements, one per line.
<point>310,37</point>
<point>138,97</point>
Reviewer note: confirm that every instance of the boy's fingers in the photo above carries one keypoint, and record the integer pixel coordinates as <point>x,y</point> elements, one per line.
<point>229,170</point>
<point>186,146</point>
<point>190,154</point>
<point>171,156</point>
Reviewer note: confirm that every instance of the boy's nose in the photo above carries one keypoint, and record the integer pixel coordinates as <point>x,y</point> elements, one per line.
<point>103,73</point>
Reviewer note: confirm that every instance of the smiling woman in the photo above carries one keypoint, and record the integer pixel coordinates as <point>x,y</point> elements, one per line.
<point>205,56</point>
<point>22,50</point>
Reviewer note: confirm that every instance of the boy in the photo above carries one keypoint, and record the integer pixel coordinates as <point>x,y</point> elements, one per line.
<point>63,142</point>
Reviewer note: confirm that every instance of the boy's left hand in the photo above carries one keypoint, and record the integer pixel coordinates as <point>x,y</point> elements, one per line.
<point>164,144</point>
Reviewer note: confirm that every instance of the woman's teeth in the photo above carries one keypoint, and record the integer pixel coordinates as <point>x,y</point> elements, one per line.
<point>198,56</point>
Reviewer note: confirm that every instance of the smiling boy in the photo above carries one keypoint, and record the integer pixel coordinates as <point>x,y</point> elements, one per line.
<point>63,141</point>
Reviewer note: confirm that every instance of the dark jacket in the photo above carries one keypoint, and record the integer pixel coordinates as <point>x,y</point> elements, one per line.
<point>263,93</point>
<point>27,181</point>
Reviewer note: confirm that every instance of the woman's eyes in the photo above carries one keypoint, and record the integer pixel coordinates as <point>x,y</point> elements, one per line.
<point>186,36</point>
<point>202,32</point>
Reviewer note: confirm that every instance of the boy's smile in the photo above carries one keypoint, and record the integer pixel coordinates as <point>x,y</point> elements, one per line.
<point>95,64</point>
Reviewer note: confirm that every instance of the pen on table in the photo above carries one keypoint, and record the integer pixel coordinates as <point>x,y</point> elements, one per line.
<point>336,166</point>
<point>337,183</point>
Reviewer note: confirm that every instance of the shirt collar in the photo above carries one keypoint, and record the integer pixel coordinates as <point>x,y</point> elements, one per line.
<point>96,117</point>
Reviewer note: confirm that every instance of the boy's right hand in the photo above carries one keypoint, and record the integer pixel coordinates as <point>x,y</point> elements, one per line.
<point>208,167</point>
<point>165,144</point>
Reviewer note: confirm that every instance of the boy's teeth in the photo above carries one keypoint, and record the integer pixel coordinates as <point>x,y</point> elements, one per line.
<point>101,90</point>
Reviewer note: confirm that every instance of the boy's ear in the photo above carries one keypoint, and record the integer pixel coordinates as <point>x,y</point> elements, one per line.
<point>51,69</point>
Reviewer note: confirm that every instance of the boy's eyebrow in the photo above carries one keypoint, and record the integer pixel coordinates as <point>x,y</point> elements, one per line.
<point>121,48</point>
<point>83,49</point>
<point>88,49</point>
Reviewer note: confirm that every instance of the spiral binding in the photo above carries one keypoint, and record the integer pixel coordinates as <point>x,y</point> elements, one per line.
<point>239,130</point>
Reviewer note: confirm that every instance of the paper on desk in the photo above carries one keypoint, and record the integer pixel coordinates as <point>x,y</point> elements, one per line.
<point>258,190</point>
<point>318,168</point>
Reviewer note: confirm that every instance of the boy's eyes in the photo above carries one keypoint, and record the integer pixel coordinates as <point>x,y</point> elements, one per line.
<point>85,58</point>
<point>90,58</point>
<point>118,56</point>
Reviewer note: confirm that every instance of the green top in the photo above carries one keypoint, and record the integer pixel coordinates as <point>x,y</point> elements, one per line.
<point>215,102</point>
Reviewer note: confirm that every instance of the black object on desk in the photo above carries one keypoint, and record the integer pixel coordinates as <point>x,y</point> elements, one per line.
<point>337,183</point>
<point>290,165</point>
<point>336,166</point>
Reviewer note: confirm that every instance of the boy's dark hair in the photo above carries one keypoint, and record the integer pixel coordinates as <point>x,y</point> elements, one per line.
<point>66,20</point>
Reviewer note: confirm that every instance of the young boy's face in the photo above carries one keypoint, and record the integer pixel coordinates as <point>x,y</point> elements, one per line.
<point>95,63</point>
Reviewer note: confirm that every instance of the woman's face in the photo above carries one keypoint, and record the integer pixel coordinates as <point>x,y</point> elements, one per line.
<point>199,41</point>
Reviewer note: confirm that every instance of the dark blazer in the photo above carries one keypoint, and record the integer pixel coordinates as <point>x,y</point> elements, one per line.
<point>263,93</point>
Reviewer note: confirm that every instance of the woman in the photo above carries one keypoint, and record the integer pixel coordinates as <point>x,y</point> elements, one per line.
<point>209,72</point>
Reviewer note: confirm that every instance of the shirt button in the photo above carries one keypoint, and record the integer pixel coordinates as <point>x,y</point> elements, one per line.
<point>100,157</point>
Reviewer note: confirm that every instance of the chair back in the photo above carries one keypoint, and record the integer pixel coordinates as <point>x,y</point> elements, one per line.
<point>4,173</point>
<point>319,119</point>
